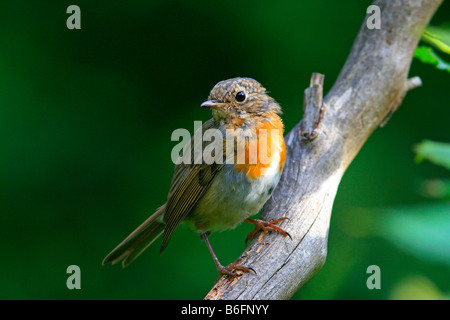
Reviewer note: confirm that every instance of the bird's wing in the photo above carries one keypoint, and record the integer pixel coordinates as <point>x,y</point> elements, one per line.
<point>189,183</point>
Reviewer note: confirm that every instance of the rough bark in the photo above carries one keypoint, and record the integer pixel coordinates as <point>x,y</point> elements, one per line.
<point>369,88</point>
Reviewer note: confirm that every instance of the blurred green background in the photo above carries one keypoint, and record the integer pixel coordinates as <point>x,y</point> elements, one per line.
<point>86,118</point>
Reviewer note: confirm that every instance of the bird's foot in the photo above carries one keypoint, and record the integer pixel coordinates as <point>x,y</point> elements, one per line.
<point>266,227</point>
<point>230,269</point>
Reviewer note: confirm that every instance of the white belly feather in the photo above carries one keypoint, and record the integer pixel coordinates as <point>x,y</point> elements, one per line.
<point>233,197</point>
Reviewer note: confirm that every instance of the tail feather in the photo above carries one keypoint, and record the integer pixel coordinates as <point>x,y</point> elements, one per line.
<point>143,242</point>
<point>133,245</point>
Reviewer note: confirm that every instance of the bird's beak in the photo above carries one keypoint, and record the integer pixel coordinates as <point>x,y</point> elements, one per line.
<point>212,104</point>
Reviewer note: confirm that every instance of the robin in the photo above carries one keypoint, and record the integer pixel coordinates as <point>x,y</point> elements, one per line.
<point>221,195</point>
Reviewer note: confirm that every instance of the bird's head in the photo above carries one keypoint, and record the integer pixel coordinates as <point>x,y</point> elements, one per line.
<point>240,98</point>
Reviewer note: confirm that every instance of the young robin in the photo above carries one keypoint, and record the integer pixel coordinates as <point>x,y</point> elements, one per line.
<point>220,195</point>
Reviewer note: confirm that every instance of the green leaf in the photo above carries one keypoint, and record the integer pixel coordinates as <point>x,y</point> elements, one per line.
<point>438,37</point>
<point>416,287</point>
<point>424,54</point>
<point>427,55</point>
<point>422,230</point>
<point>436,152</point>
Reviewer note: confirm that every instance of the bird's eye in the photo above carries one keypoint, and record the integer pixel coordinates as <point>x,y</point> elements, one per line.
<point>240,96</point>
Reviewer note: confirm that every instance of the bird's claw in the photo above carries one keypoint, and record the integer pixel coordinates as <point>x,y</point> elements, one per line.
<point>266,227</point>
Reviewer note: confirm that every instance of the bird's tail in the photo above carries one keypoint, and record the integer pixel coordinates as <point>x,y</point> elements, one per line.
<point>133,245</point>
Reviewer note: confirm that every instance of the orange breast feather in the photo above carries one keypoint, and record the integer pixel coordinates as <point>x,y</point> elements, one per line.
<point>261,152</point>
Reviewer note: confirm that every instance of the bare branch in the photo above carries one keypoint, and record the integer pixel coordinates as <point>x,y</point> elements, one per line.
<point>313,108</point>
<point>370,86</point>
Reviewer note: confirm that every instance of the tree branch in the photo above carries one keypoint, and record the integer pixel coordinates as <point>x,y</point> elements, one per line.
<point>370,87</point>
